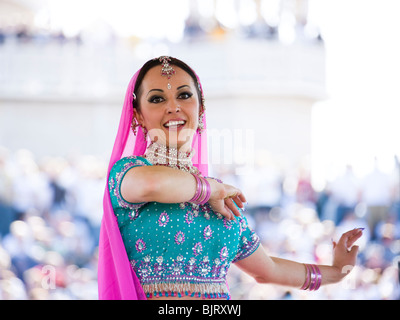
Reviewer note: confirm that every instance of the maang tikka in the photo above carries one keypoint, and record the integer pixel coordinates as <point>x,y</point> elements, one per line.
<point>166,69</point>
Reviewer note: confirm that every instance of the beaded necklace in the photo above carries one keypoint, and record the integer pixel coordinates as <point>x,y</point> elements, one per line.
<point>171,157</point>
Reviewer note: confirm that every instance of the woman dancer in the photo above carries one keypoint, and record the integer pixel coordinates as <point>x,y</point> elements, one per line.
<point>169,231</point>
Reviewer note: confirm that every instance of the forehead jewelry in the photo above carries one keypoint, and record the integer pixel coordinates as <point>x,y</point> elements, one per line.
<point>166,69</point>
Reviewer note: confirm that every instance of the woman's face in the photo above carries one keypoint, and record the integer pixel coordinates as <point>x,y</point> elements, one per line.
<point>169,113</point>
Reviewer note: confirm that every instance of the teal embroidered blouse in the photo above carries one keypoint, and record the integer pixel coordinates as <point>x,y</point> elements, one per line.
<point>180,248</point>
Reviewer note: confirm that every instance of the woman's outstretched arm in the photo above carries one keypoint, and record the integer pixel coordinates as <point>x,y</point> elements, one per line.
<point>266,269</point>
<point>168,185</point>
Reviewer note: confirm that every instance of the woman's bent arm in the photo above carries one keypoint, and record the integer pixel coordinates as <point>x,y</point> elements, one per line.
<point>266,269</point>
<point>157,183</point>
<point>168,185</point>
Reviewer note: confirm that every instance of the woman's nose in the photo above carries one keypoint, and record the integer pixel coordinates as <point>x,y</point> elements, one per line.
<point>173,108</point>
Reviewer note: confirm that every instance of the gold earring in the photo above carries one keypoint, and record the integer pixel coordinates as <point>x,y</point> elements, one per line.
<point>134,126</point>
<point>201,116</point>
<point>144,130</point>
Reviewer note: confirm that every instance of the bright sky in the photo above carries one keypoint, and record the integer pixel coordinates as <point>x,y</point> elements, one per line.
<point>149,18</point>
<point>360,120</point>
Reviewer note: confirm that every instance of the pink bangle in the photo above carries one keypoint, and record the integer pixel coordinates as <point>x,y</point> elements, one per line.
<point>198,189</point>
<point>313,278</point>
<point>307,281</point>
<point>203,191</point>
<point>216,179</point>
<point>319,278</point>
<point>207,191</point>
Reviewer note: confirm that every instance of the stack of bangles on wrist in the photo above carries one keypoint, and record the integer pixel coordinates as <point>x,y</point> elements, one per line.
<point>313,278</point>
<point>203,191</point>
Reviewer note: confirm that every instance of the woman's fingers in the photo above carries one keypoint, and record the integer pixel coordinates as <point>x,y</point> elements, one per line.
<point>225,211</point>
<point>238,201</point>
<point>229,212</point>
<point>348,238</point>
<point>220,207</point>
<point>236,196</point>
<point>231,206</point>
<point>242,197</point>
<point>355,235</point>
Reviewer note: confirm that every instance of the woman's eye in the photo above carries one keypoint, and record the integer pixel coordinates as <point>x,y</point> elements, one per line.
<point>185,95</point>
<point>156,99</point>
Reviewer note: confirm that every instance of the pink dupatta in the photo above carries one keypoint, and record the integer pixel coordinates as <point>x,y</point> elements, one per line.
<point>116,278</point>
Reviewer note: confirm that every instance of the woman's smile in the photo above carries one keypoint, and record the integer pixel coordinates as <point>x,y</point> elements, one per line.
<point>175,124</point>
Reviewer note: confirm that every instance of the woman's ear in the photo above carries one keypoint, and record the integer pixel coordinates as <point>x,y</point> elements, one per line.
<point>138,116</point>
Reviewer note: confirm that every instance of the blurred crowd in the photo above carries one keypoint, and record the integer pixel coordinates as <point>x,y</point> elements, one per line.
<point>50,213</point>
<point>296,222</point>
<point>278,20</point>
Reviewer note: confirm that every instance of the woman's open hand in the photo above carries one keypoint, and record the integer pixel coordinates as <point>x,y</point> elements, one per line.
<point>225,199</point>
<point>345,252</point>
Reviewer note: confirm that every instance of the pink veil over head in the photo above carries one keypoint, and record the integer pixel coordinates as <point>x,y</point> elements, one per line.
<point>116,278</point>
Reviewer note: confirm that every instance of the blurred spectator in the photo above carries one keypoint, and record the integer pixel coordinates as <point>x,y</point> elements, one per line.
<point>262,184</point>
<point>377,192</point>
<point>305,192</point>
<point>7,214</point>
<point>2,36</point>
<point>345,192</point>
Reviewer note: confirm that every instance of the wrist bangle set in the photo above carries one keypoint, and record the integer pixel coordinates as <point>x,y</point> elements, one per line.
<point>203,191</point>
<point>313,278</point>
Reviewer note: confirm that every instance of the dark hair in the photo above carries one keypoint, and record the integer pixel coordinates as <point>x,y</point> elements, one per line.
<point>156,62</point>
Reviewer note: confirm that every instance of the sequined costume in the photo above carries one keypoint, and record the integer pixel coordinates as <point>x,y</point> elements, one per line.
<point>178,249</point>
